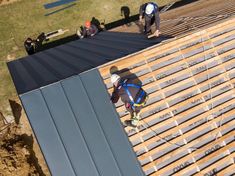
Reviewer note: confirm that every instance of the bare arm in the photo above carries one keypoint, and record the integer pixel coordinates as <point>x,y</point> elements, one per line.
<point>141,11</point>
<point>157,20</point>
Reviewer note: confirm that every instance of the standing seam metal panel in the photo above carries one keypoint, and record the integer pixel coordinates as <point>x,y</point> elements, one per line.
<point>110,123</point>
<point>69,130</point>
<point>61,62</point>
<point>77,135</point>
<point>46,133</point>
<point>90,127</point>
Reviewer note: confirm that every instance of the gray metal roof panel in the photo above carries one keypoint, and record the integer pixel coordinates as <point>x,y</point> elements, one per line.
<point>78,128</point>
<point>75,57</point>
<point>46,133</point>
<point>68,130</point>
<point>92,131</point>
<point>107,115</point>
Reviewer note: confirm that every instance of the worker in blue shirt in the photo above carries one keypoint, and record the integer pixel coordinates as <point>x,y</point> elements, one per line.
<point>131,94</point>
<point>150,12</point>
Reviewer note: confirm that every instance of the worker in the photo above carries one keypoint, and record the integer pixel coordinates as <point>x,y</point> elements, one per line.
<point>150,12</point>
<point>131,94</point>
<point>29,45</point>
<point>88,30</point>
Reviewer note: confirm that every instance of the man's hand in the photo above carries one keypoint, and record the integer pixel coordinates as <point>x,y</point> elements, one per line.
<point>157,33</point>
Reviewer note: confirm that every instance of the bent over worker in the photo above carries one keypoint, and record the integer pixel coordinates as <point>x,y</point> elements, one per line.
<point>132,95</point>
<point>29,45</point>
<point>88,30</point>
<point>150,12</point>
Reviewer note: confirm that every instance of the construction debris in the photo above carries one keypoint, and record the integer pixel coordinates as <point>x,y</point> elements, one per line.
<point>56,33</point>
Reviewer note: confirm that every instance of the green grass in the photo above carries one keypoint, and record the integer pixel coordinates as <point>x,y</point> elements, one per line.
<point>25,18</point>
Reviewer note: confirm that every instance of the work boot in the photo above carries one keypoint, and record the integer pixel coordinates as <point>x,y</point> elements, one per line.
<point>134,122</point>
<point>136,115</point>
<point>135,119</point>
<point>129,123</point>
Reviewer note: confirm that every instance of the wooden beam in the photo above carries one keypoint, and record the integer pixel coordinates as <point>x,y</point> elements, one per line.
<point>211,167</point>
<point>162,48</point>
<point>210,155</point>
<point>184,103</point>
<point>146,108</point>
<point>229,170</point>
<point>185,82</point>
<point>165,145</point>
<point>155,72</point>
<point>179,127</point>
<point>204,160</point>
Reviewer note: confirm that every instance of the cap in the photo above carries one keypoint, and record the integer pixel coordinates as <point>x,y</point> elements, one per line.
<point>88,24</point>
<point>149,9</point>
<point>114,78</point>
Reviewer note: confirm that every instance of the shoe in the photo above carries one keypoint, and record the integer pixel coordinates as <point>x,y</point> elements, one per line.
<point>129,123</point>
<point>134,122</point>
<point>136,116</point>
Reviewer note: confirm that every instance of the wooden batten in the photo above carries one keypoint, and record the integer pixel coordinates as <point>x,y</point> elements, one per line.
<point>187,125</point>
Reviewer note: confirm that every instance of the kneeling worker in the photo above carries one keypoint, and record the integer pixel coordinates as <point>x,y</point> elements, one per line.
<point>88,30</point>
<point>150,12</point>
<point>132,95</point>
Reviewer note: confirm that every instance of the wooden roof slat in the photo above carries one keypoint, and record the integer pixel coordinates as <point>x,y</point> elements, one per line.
<point>131,59</point>
<point>178,53</point>
<point>155,93</point>
<point>211,167</point>
<point>221,66</point>
<point>210,155</point>
<point>181,137</point>
<point>183,160</point>
<point>175,107</point>
<point>229,170</point>
<point>151,164</point>
<point>148,75</point>
<point>195,152</point>
<point>181,126</point>
<point>143,122</point>
<point>191,86</point>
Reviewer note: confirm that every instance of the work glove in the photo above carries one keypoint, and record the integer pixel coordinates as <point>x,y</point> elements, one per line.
<point>157,33</point>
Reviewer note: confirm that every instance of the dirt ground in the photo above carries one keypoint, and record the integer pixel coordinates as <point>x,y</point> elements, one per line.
<point>19,152</point>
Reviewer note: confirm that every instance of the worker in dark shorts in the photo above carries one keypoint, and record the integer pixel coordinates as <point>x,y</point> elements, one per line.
<point>150,12</point>
<point>131,94</point>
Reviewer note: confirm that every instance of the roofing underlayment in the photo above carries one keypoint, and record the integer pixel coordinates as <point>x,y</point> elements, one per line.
<point>181,20</point>
<point>187,126</point>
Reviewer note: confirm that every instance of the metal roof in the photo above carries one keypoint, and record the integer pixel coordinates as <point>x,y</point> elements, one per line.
<point>61,62</point>
<point>78,129</point>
